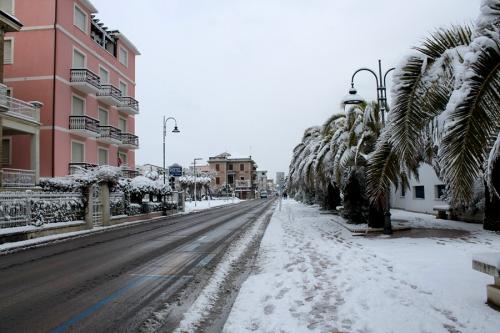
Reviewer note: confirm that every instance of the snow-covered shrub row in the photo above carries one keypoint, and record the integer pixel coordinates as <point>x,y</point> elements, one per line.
<point>118,203</point>
<point>134,209</point>
<point>142,185</point>
<point>82,178</point>
<point>56,210</point>
<point>200,180</point>
<point>150,207</point>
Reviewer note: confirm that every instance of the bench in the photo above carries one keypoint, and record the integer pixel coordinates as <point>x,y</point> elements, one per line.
<point>489,263</point>
<point>443,211</point>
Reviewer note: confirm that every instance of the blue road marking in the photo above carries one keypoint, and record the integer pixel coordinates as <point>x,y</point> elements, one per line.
<point>97,306</point>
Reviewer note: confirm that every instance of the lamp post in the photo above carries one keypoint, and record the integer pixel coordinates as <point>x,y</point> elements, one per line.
<point>194,173</point>
<point>354,99</point>
<point>175,130</point>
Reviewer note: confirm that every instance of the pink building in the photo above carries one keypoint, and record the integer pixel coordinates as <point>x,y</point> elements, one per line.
<point>83,73</point>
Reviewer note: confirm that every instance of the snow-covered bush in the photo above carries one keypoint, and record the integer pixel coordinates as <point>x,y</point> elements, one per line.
<point>134,209</point>
<point>56,210</point>
<point>81,179</point>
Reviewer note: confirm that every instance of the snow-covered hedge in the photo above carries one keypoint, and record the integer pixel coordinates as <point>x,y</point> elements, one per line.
<point>142,185</point>
<point>81,179</point>
<point>56,210</point>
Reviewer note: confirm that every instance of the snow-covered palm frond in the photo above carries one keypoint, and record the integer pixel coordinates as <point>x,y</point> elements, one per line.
<point>473,117</point>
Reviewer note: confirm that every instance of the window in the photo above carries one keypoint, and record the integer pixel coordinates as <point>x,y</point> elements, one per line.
<point>440,191</point>
<point>217,167</point>
<point>7,6</point>
<point>77,152</point>
<point>8,51</point>
<point>242,167</point>
<point>80,19</point>
<point>77,106</point>
<point>419,192</point>
<point>103,117</point>
<point>6,147</point>
<point>122,158</point>
<point>242,178</point>
<point>78,59</point>
<point>122,125</point>
<point>217,180</point>
<point>103,156</point>
<point>123,88</point>
<point>403,191</point>
<point>230,166</point>
<point>230,179</point>
<point>104,75</point>
<point>123,56</point>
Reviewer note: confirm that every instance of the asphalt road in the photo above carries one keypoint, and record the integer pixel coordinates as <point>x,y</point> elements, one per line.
<point>111,282</point>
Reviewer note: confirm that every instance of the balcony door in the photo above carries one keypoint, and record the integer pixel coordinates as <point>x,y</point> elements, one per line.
<point>77,152</point>
<point>104,75</point>
<point>122,125</point>
<point>103,156</point>
<point>77,106</point>
<point>103,117</point>
<point>78,60</point>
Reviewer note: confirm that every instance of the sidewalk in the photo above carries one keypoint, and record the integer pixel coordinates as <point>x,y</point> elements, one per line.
<point>313,275</point>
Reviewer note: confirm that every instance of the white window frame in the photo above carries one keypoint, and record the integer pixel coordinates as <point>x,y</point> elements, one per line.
<point>121,48</point>
<point>71,151</point>
<point>120,82</point>
<point>99,108</point>
<point>99,148</point>
<point>75,49</point>
<point>84,104</point>
<point>11,39</point>
<point>86,28</point>
<point>9,160</point>
<point>126,123</point>
<point>13,8</point>
<point>101,67</point>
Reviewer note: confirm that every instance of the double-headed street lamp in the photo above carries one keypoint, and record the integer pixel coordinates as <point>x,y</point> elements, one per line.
<point>175,130</point>
<point>354,99</point>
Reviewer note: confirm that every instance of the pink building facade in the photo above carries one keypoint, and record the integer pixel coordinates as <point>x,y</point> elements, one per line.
<point>84,74</point>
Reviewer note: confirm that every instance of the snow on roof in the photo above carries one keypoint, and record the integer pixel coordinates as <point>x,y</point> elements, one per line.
<point>89,6</point>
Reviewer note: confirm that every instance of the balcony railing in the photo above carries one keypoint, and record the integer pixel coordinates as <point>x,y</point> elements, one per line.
<point>129,105</point>
<point>110,94</point>
<point>84,124</point>
<point>17,178</point>
<point>83,75</point>
<point>109,134</point>
<point>130,140</point>
<point>129,173</point>
<point>79,167</point>
<point>19,109</point>
<point>243,184</point>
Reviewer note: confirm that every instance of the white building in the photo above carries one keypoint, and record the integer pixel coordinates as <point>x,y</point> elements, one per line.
<point>280,179</point>
<point>262,180</point>
<point>423,195</point>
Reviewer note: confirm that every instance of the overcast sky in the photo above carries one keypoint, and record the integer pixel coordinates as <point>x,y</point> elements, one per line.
<point>248,76</point>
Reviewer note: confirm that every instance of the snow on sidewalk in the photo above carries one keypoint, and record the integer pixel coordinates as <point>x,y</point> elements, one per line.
<point>206,204</point>
<point>313,275</point>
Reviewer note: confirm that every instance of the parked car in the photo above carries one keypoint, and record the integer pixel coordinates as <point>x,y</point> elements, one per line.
<point>263,194</point>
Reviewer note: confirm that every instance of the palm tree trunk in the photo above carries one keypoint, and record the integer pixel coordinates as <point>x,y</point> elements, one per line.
<point>492,202</point>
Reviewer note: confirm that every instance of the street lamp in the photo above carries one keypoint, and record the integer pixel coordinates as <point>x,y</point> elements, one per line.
<point>175,130</point>
<point>194,173</point>
<point>354,99</point>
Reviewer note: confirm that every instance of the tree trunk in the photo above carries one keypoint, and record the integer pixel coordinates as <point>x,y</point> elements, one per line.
<point>492,202</point>
<point>333,198</point>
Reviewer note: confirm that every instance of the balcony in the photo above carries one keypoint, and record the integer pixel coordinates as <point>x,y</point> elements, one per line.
<point>243,184</point>
<point>110,95</point>
<point>84,126</point>
<point>129,173</point>
<point>129,141</point>
<point>80,167</point>
<point>18,109</point>
<point>17,178</point>
<point>129,106</point>
<point>85,81</point>
<point>109,134</point>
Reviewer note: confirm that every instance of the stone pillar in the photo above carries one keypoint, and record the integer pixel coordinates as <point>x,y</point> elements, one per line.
<point>88,208</point>
<point>35,154</point>
<point>106,212</point>
<point>1,146</point>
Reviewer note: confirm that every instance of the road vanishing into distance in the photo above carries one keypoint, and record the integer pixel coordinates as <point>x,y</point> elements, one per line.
<point>114,280</point>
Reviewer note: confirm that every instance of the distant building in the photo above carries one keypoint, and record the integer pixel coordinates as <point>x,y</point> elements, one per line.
<point>238,174</point>
<point>280,179</point>
<point>271,186</point>
<point>262,180</point>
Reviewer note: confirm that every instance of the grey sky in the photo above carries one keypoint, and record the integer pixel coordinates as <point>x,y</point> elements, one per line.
<point>249,76</point>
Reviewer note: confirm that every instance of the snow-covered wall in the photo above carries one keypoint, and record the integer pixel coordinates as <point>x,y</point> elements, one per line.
<point>408,199</point>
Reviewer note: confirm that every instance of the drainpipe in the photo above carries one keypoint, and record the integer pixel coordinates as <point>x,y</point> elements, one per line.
<point>54,94</point>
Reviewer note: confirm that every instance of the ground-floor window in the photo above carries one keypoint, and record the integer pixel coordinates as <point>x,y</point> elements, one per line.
<point>419,192</point>
<point>103,156</point>
<point>6,147</point>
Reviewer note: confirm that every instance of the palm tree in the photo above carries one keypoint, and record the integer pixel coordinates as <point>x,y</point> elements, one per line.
<point>446,112</point>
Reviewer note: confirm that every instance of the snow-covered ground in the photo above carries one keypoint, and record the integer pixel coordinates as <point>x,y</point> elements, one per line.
<point>205,204</point>
<point>314,275</point>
